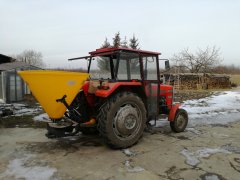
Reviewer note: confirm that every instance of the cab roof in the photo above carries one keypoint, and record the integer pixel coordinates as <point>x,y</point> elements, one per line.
<point>112,50</point>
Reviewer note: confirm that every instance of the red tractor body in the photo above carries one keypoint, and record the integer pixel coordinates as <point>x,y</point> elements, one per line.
<point>132,91</point>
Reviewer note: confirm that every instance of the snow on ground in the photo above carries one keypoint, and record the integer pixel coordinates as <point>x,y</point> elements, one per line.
<point>192,158</point>
<point>128,152</point>
<point>133,169</point>
<point>194,131</point>
<point>18,109</point>
<point>222,108</point>
<point>26,168</point>
<point>212,177</point>
<point>41,117</point>
<point>18,105</point>
<point>22,109</point>
<point>25,111</point>
<point>6,106</point>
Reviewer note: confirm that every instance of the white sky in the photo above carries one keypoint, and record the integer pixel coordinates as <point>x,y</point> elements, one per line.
<point>65,29</point>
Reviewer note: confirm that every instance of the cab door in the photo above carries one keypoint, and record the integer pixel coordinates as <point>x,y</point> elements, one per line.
<point>151,84</point>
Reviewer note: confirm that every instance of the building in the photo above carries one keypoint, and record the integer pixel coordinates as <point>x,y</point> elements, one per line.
<point>12,87</point>
<point>5,59</point>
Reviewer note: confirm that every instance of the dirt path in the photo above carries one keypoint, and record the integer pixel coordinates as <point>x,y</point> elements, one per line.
<point>198,153</point>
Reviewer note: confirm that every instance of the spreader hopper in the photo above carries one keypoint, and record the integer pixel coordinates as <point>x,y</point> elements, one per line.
<point>48,86</point>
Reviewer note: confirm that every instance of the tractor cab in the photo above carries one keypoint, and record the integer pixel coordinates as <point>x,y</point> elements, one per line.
<point>114,69</point>
<point>123,64</point>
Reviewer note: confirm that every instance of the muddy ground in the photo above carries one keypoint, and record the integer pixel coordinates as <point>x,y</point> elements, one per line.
<point>201,152</point>
<point>204,152</point>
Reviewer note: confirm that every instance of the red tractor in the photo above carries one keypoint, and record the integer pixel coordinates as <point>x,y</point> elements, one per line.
<point>123,94</point>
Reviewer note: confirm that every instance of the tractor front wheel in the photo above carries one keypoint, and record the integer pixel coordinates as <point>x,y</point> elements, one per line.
<point>122,119</point>
<point>180,121</point>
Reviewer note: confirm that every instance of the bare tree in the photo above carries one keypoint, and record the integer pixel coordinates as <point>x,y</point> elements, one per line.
<point>200,61</point>
<point>31,57</point>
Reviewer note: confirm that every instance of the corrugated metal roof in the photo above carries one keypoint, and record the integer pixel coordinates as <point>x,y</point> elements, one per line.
<point>12,65</point>
<point>5,59</point>
<point>2,55</point>
<point>104,50</point>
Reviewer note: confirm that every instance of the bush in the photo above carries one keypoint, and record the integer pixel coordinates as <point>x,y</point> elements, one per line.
<point>234,85</point>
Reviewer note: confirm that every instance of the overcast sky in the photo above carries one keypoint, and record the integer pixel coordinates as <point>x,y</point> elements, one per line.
<point>65,29</point>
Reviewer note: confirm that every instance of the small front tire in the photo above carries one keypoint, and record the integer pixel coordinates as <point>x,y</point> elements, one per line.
<point>180,121</point>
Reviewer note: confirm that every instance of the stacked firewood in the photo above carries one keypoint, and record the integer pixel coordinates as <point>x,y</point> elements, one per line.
<point>191,81</point>
<point>217,81</point>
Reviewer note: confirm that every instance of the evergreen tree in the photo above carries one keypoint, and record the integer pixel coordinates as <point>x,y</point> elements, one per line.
<point>117,40</point>
<point>106,44</point>
<point>134,43</point>
<point>103,63</point>
<point>124,43</point>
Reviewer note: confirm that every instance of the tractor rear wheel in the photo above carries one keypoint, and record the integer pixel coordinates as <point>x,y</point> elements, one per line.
<point>180,121</point>
<point>122,119</point>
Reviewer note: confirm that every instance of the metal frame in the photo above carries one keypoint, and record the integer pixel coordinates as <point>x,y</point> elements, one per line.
<point>114,70</point>
<point>157,81</point>
<point>1,86</point>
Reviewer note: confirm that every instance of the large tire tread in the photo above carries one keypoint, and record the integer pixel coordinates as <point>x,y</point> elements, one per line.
<point>104,113</point>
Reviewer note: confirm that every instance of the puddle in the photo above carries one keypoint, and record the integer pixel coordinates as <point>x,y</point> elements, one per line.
<point>70,144</point>
<point>133,169</point>
<point>212,176</point>
<point>192,158</point>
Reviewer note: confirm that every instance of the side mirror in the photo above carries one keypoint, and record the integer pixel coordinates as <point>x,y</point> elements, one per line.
<point>167,65</point>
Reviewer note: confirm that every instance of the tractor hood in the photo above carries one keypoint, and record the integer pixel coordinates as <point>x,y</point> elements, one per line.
<point>47,86</point>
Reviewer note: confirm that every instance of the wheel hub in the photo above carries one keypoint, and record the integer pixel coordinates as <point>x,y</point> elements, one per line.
<point>126,121</point>
<point>130,121</point>
<point>180,121</point>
